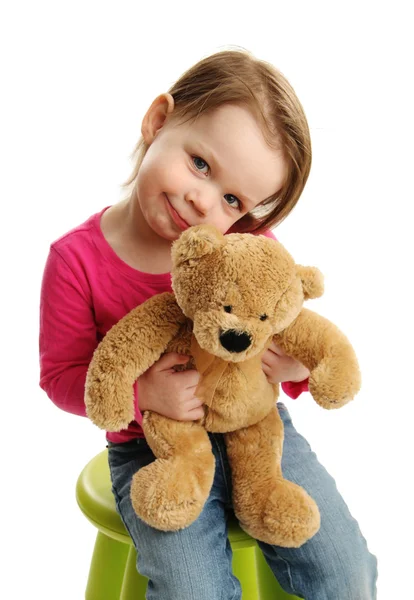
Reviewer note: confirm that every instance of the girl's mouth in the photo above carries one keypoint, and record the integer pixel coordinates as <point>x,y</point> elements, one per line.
<point>178,220</point>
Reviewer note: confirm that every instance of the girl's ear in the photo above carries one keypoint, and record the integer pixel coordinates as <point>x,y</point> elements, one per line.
<point>155,117</point>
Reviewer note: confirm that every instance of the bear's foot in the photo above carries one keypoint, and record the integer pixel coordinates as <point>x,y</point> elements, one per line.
<point>288,517</point>
<point>169,494</point>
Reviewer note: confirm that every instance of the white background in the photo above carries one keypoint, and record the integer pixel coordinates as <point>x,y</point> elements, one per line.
<point>76,80</point>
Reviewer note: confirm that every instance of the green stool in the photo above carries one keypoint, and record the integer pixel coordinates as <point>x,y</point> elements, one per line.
<point>113,574</point>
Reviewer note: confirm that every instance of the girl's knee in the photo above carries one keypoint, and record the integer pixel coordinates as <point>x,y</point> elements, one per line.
<point>345,567</point>
<point>326,567</point>
<point>357,573</point>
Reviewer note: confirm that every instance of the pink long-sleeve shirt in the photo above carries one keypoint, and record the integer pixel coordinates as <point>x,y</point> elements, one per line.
<point>86,289</point>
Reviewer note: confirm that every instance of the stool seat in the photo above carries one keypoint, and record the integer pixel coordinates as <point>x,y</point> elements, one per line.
<point>113,574</point>
<point>96,501</point>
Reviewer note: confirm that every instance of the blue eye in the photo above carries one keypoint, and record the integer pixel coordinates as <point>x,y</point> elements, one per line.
<point>233,201</point>
<point>199,163</point>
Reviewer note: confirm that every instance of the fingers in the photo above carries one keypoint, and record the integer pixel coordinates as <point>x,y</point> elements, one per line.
<point>194,414</point>
<point>191,409</point>
<point>169,360</point>
<point>186,410</point>
<point>188,379</point>
<point>271,359</point>
<point>193,404</point>
<point>266,369</point>
<point>276,349</point>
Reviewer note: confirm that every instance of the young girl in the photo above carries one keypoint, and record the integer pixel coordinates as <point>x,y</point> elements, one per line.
<point>228,145</point>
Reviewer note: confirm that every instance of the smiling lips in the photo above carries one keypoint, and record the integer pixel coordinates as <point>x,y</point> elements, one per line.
<point>181,224</point>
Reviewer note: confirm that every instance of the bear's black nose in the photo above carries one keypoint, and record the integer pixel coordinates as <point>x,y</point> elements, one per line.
<point>235,341</point>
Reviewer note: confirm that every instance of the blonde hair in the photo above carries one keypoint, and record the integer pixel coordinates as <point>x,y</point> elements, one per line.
<point>237,77</point>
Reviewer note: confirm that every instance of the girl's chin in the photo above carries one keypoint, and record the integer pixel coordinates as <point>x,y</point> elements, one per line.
<point>166,232</point>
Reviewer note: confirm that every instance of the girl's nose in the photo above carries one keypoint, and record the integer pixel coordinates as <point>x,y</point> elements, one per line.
<point>201,201</point>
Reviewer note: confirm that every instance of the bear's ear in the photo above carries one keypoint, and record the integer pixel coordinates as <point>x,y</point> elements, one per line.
<point>195,243</point>
<point>312,281</point>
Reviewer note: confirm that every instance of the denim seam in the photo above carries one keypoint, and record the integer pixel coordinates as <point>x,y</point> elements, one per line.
<point>231,575</point>
<point>235,594</point>
<point>289,574</point>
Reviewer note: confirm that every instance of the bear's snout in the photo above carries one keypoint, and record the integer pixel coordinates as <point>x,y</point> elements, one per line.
<point>235,341</point>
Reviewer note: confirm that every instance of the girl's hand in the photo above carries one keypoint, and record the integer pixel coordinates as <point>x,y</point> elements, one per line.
<point>170,393</point>
<point>279,367</point>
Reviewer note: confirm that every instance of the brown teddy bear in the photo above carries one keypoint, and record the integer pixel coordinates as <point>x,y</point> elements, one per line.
<point>233,294</point>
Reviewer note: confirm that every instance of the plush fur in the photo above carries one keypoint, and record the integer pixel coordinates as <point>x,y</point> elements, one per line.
<point>233,294</point>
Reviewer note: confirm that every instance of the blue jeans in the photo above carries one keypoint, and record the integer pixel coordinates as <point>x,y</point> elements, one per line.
<point>195,563</point>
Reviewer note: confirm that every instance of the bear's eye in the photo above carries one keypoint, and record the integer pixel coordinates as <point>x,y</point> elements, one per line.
<point>263,317</point>
<point>228,308</point>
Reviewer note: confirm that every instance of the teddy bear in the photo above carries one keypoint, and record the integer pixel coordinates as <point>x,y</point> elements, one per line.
<point>232,295</point>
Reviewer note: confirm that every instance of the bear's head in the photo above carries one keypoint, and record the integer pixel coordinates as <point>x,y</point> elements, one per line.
<point>238,289</point>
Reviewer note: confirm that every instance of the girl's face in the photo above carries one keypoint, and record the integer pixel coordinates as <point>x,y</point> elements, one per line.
<point>212,171</point>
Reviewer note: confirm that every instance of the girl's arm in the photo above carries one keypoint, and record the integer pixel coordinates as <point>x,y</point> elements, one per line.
<point>68,339</point>
<point>68,336</point>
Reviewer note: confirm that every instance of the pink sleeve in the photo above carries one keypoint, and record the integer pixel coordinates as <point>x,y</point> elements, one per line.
<point>269,234</point>
<point>293,389</point>
<point>68,335</point>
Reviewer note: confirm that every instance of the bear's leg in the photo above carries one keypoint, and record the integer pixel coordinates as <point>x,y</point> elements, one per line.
<point>170,493</point>
<point>269,507</point>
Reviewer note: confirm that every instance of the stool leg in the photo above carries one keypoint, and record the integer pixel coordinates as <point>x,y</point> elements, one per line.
<point>244,568</point>
<point>134,585</point>
<point>107,569</point>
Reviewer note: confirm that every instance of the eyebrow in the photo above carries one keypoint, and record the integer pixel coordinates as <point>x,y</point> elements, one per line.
<point>211,158</point>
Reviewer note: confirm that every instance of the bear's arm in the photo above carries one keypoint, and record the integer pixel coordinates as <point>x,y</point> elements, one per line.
<point>319,345</point>
<point>129,349</point>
